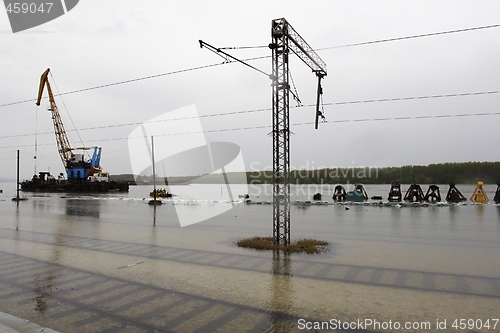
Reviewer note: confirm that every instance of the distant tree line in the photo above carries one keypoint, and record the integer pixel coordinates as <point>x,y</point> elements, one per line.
<point>460,173</point>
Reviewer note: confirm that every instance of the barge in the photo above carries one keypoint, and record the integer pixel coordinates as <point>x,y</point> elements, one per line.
<point>45,182</point>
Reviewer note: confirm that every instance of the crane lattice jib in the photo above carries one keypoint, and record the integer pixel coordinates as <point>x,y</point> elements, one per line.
<point>63,145</point>
<point>300,47</point>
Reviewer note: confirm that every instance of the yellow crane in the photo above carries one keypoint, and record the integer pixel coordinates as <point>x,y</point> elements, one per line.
<point>62,140</point>
<point>75,165</point>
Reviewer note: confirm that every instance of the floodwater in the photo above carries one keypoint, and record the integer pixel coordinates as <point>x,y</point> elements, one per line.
<point>112,263</point>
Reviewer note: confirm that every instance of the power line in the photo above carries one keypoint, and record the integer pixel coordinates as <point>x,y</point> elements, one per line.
<point>119,82</point>
<point>243,47</point>
<point>414,98</point>
<point>258,58</point>
<point>411,37</point>
<point>325,122</point>
<point>463,115</point>
<point>232,113</point>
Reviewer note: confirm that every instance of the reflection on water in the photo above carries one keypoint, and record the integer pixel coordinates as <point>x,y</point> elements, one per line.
<point>454,214</point>
<point>153,237</point>
<point>44,282</point>
<point>80,207</point>
<point>17,215</point>
<point>281,293</point>
<point>154,215</point>
<point>42,290</point>
<point>40,205</point>
<point>479,213</point>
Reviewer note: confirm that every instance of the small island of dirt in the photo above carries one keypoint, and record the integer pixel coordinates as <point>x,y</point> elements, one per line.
<point>309,246</point>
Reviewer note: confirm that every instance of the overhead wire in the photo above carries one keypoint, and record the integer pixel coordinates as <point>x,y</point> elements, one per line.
<point>381,100</point>
<point>119,83</point>
<point>462,115</point>
<point>268,109</point>
<point>409,98</point>
<point>258,58</point>
<point>410,37</point>
<point>243,47</point>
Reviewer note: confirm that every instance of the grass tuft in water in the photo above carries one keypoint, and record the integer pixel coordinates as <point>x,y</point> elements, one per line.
<point>308,245</point>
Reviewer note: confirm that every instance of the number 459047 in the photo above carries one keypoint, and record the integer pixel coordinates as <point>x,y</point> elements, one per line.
<point>24,7</point>
<point>476,324</point>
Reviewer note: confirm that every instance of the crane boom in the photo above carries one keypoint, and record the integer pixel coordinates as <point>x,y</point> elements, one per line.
<point>63,145</point>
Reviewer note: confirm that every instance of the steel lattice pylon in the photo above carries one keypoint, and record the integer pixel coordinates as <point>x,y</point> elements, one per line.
<point>284,40</point>
<point>281,134</point>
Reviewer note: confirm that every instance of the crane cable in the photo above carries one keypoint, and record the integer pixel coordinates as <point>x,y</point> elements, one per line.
<point>36,139</point>
<point>67,111</point>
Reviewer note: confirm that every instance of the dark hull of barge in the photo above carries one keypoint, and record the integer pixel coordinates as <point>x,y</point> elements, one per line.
<point>75,187</point>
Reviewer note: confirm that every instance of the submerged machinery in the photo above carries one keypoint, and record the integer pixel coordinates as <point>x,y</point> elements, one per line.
<point>414,194</point>
<point>454,195</point>
<point>339,194</point>
<point>479,195</point>
<point>433,194</point>
<point>358,194</point>
<point>395,192</point>
<point>496,198</point>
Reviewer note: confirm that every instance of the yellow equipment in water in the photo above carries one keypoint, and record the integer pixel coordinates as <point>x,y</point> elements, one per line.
<point>479,195</point>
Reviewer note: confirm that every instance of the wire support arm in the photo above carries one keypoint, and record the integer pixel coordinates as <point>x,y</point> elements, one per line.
<point>229,58</point>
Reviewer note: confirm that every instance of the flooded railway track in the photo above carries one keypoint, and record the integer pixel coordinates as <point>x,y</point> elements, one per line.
<point>83,301</point>
<point>376,276</point>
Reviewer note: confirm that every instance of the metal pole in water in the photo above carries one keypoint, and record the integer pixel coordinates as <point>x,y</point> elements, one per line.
<point>17,197</point>
<point>154,171</point>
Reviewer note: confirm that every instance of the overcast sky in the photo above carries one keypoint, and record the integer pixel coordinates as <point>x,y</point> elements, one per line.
<point>106,42</point>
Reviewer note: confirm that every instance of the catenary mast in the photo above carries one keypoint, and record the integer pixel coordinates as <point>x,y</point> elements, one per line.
<point>284,40</point>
